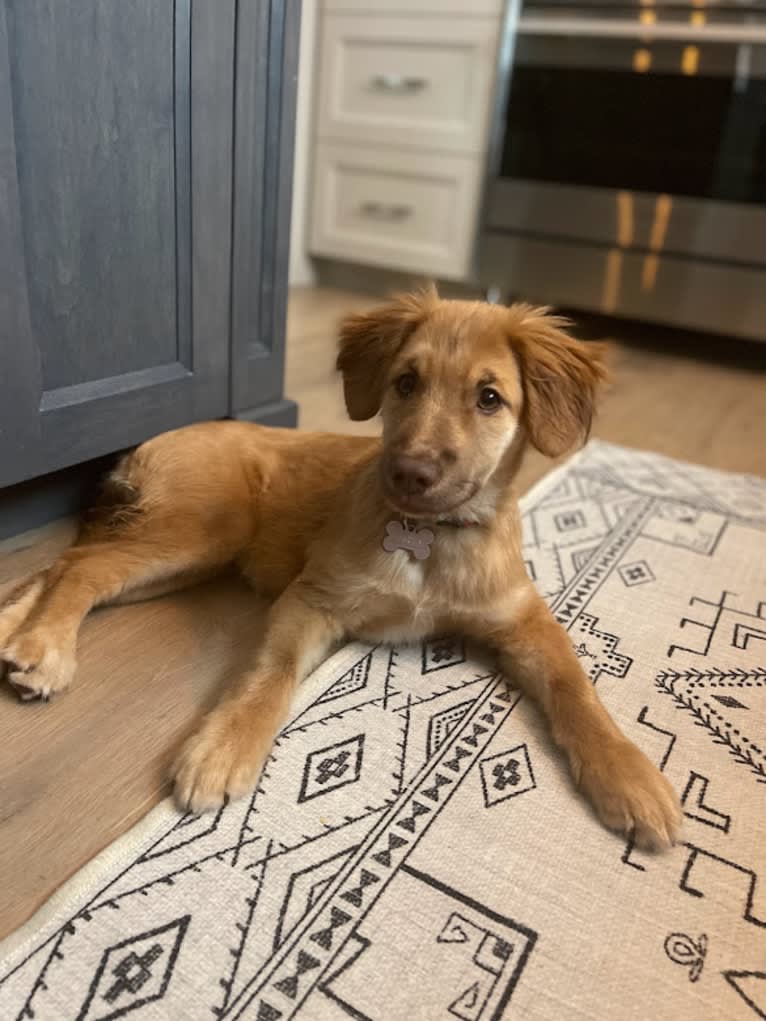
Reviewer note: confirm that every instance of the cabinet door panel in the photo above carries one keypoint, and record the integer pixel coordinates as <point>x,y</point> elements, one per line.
<point>267,57</point>
<point>19,366</point>
<point>96,185</point>
<point>117,154</point>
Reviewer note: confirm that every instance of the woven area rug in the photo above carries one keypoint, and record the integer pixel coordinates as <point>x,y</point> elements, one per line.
<point>415,849</point>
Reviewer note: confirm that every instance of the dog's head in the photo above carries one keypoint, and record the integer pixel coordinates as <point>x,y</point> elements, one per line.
<point>461,385</point>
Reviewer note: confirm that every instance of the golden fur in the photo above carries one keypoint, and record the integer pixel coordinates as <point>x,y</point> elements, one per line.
<point>303,516</point>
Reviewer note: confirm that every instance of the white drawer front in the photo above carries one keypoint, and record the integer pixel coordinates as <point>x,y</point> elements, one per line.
<point>407,81</point>
<point>404,211</point>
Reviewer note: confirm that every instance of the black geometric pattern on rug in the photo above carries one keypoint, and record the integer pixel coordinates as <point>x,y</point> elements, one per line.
<point>353,680</point>
<point>568,521</point>
<point>361,886</point>
<point>442,723</point>
<point>581,557</point>
<point>441,653</point>
<point>700,868</point>
<point>304,888</point>
<point>665,744</point>
<point>291,902</point>
<point>597,649</point>
<point>228,979</point>
<point>506,775</point>
<point>751,986</point>
<point>327,769</point>
<point>701,628</point>
<point>723,702</point>
<point>694,801</point>
<point>190,829</point>
<point>478,955</point>
<point>134,972</point>
<point>688,952</point>
<point>669,736</point>
<point>637,573</point>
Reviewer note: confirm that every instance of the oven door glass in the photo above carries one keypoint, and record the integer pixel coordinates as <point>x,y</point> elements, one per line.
<point>668,117</point>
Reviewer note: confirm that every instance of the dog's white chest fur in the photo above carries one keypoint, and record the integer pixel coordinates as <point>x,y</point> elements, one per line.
<point>406,575</point>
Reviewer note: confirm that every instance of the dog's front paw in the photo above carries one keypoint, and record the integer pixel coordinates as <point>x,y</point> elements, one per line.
<point>223,759</point>
<point>630,795</point>
<point>38,664</point>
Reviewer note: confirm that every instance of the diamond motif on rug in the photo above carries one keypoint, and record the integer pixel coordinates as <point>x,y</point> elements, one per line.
<point>329,768</point>
<point>506,774</point>
<point>442,653</point>
<point>134,972</point>
<point>637,573</point>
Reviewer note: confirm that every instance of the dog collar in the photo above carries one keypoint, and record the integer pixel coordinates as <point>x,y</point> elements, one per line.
<point>417,540</point>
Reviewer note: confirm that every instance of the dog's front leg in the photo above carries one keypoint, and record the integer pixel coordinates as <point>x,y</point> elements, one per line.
<point>226,755</point>
<point>627,791</point>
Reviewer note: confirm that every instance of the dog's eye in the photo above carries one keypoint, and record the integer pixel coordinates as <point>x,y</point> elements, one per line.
<point>406,384</point>
<point>489,399</point>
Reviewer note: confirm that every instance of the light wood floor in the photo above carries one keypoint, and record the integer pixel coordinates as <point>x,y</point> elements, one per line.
<point>76,773</point>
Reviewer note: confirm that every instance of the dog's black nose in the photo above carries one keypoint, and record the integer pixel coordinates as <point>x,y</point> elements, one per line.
<point>412,476</point>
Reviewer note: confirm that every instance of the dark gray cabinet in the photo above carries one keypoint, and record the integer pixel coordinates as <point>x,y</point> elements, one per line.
<point>145,168</point>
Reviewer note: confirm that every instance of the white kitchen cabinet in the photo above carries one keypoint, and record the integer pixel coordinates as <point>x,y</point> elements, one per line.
<point>398,209</point>
<point>420,82</point>
<point>401,132</point>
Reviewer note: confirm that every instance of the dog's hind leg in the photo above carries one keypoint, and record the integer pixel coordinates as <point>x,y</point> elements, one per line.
<point>39,653</point>
<point>133,548</point>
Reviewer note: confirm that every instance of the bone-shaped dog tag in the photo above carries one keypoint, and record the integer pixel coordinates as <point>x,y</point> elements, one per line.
<point>416,541</point>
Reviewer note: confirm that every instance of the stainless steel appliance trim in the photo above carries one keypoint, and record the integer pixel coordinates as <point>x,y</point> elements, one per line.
<point>627,8</point>
<point>645,221</point>
<point>606,29</point>
<point>682,292</point>
<point>494,154</point>
<point>738,61</point>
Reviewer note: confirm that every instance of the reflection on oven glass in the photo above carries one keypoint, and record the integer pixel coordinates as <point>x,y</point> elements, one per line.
<point>684,131</point>
<point>629,173</point>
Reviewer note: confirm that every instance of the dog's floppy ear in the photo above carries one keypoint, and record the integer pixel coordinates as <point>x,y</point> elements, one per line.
<point>560,376</point>
<point>368,342</point>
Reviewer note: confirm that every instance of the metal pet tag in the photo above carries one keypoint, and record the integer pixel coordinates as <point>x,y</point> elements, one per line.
<point>416,541</point>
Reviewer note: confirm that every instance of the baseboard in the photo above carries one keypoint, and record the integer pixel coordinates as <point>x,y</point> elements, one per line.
<point>63,493</point>
<point>39,501</point>
<point>374,280</point>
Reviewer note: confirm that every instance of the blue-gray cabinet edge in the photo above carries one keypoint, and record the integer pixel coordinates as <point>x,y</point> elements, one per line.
<point>145,185</point>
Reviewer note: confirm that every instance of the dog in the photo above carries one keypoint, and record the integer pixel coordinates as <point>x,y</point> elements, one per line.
<point>392,539</point>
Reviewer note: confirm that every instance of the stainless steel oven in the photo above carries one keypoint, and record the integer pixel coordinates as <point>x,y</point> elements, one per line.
<point>628,165</point>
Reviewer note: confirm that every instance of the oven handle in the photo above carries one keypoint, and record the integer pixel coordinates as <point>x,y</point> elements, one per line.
<point>603,28</point>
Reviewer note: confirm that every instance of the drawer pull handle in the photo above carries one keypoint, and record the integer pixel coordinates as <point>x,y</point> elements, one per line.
<point>397,83</point>
<point>389,212</point>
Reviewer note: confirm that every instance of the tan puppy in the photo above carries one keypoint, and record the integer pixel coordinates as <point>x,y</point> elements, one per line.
<point>462,387</point>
